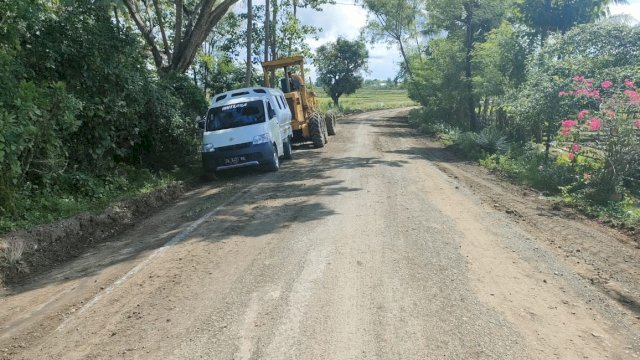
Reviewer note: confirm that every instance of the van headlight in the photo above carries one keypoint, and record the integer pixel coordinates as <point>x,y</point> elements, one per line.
<point>208,148</point>
<point>261,139</point>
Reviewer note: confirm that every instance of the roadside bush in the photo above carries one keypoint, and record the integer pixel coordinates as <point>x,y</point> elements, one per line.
<point>492,140</point>
<point>466,144</point>
<point>422,119</point>
<point>530,167</point>
<point>82,112</point>
<point>606,129</point>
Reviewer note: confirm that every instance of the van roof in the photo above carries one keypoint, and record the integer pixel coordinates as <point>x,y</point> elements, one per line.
<point>244,94</point>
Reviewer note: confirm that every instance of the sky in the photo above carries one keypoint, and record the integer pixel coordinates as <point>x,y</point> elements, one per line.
<point>346,20</point>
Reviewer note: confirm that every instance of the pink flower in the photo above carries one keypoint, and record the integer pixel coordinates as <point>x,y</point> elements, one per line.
<point>582,114</point>
<point>575,148</point>
<point>562,93</point>
<point>628,83</point>
<point>611,114</point>
<point>594,94</point>
<point>578,78</point>
<point>568,124</point>
<point>588,83</point>
<point>594,124</point>
<point>571,156</point>
<point>636,123</point>
<point>582,92</point>
<point>565,131</point>
<point>634,97</point>
<point>606,84</point>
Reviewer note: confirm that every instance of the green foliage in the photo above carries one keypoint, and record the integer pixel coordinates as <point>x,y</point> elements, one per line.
<point>78,100</point>
<point>559,15</point>
<point>500,61</point>
<point>78,192</point>
<point>466,144</point>
<point>339,65</point>
<point>529,167</point>
<point>492,140</point>
<point>426,123</point>
<point>438,86</point>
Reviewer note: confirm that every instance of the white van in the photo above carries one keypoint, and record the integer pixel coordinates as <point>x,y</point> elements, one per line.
<point>246,127</point>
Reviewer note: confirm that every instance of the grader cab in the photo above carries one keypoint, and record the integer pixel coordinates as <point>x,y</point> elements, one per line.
<point>307,122</point>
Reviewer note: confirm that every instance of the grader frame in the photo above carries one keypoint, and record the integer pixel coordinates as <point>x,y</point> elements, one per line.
<point>306,120</point>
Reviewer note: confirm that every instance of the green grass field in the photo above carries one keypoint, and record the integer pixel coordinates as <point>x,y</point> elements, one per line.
<point>367,99</point>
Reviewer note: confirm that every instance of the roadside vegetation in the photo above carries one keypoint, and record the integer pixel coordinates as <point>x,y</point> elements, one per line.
<point>546,100</point>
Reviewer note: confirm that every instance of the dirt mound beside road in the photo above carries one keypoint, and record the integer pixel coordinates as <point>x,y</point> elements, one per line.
<point>27,253</point>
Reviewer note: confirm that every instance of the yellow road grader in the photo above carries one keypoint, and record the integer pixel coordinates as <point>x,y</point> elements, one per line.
<point>307,121</point>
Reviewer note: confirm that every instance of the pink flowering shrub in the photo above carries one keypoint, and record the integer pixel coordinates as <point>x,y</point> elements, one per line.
<point>606,133</point>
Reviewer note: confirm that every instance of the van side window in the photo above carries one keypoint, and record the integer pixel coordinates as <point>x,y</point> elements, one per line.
<point>270,110</point>
<point>278,101</point>
<point>284,102</point>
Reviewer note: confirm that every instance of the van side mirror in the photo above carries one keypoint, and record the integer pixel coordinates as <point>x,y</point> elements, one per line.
<point>272,113</point>
<point>201,122</point>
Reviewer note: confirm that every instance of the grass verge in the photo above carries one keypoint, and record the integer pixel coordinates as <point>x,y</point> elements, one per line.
<point>80,193</point>
<point>366,100</point>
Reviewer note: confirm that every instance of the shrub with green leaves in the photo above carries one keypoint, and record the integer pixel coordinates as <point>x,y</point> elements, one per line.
<point>80,103</point>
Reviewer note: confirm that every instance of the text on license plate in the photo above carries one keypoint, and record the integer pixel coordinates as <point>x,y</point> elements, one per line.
<point>234,160</point>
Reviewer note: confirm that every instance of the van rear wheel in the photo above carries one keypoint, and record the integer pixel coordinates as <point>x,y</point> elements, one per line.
<point>287,149</point>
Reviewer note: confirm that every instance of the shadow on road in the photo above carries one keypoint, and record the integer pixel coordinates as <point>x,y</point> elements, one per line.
<point>305,181</point>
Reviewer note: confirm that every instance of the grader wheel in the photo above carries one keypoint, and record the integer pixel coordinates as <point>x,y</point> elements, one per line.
<point>316,130</point>
<point>325,134</point>
<point>330,119</point>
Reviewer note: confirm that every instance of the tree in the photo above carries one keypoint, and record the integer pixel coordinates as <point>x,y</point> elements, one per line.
<point>392,21</point>
<point>467,21</point>
<point>192,22</point>
<point>339,65</point>
<point>547,16</point>
<point>249,65</point>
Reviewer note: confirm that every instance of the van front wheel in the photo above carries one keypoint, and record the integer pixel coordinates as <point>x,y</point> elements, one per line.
<point>274,163</point>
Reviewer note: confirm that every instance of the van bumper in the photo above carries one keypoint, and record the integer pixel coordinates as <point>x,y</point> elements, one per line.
<point>237,156</point>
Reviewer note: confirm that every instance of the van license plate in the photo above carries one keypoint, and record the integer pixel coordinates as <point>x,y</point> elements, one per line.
<point>234,160</point>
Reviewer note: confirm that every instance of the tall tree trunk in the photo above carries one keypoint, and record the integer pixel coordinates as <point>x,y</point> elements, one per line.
<point>274,26</point>
<point>177,32</point>
<point>247,80</point>
<point>267,29</point>
<point>406,59</point>
<point>117,17</point>
<point>471,108</point>
<point>335,100</point>
<point>165,42</point>
<point>485,109</point>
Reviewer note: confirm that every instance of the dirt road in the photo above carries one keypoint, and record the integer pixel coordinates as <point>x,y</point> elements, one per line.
<point>379,246</point>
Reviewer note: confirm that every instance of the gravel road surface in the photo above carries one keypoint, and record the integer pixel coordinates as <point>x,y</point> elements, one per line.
<point>379,246</point>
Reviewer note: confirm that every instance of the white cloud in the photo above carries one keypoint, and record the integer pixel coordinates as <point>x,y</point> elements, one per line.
<point>347,21</point>
<point>631,8</point>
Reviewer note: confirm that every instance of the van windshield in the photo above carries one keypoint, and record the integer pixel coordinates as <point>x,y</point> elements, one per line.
<point>235,115</point>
